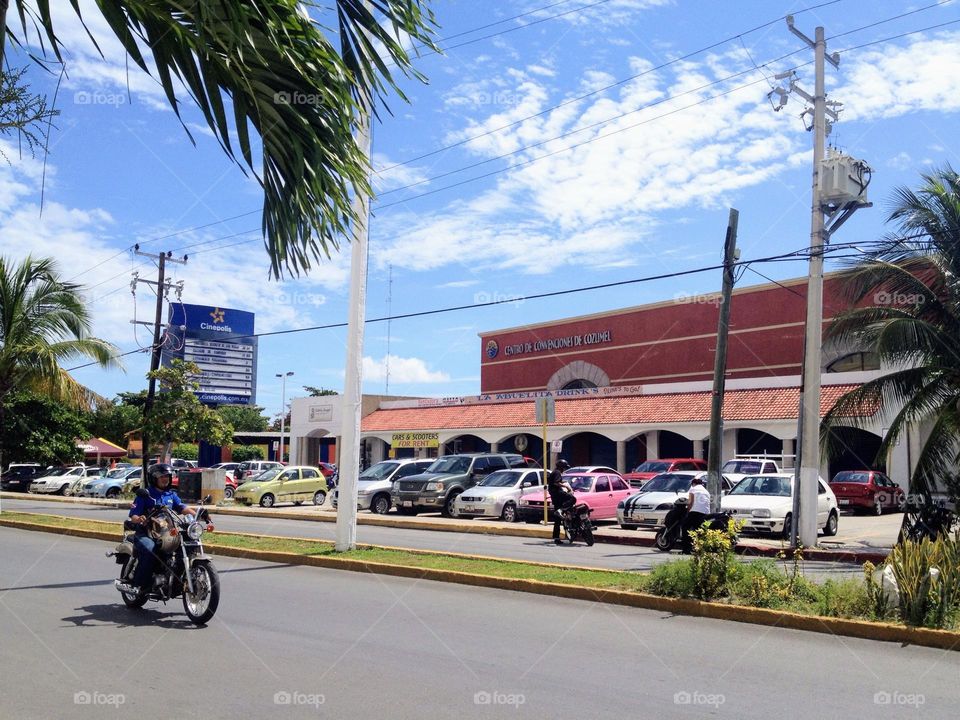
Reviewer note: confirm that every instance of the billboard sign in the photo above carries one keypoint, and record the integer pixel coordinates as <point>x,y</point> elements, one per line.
<point>219,341</point>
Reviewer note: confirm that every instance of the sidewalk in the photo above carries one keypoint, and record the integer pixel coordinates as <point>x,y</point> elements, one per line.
<point>860,538</point>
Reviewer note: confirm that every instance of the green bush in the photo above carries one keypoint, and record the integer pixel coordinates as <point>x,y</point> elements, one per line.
<point>672,579</point>
<point>928,580</point>
<point>242,453</point>
<point>187,451</point>
<point>713,560</point>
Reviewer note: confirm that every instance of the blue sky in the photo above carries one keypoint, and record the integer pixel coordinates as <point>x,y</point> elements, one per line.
<point>643,194</point>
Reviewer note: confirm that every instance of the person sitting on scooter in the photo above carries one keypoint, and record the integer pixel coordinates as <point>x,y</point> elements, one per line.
<point>561,495</point>
<point>698,506</point>
<point>159,481</point>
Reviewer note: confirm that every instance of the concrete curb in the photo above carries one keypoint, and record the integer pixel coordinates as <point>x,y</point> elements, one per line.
<point>468,526</point>
<point>884,632</point>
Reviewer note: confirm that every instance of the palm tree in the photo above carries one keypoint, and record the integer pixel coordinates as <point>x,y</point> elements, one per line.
<point>907,298</point>
<point>43,323</point>
<point>280,74</point>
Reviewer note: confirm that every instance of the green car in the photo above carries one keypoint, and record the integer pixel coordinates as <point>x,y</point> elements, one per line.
<point>296,484</point>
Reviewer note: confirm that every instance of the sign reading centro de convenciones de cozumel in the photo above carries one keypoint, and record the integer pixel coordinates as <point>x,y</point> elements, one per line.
<point>219,340</point>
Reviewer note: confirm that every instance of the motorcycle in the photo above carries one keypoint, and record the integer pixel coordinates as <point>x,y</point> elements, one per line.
<point>181,568</point>
<point>576,523</point>
<point>670,535</point>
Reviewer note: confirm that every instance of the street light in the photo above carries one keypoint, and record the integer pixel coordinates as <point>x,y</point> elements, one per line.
<point>283,406</point>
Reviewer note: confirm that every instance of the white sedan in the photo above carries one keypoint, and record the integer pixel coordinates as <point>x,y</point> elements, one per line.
<point>765,504</point>
<point>649,507</point>
<point>497,494</point>
<point>58,480</point>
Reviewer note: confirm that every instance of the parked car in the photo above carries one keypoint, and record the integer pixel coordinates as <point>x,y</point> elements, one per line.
<point>448,476</point>
<point>648,470</point>
<point>111,485</point>
<point>743,465</point>
<point>284,484</point>
<point>374,483</point>
<point>602,492</point>
<point>90,472</point>
<point>56,480</point>
<point>328,469</point>
<point>497,494</point>
<point>249,468</point>
<point>649,507</point>
<point>765,504</point>
<point>18,476</point>
<point>590,469</point>
<point>867,491</point>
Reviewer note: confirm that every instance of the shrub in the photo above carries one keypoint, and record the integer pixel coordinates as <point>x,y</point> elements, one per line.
<point>713,560</point>
<point>928,580</point>
<point>241,453</point>
<point>672,579</point>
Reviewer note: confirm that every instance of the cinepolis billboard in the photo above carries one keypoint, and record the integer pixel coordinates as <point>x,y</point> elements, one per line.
<point>220,341</point>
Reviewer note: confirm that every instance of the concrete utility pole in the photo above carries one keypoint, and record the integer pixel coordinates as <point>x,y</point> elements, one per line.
<point>283,408</point>
<point>714,454</point>
<point>155,350</point>
<point>810,452</point>
<point>346,533</point>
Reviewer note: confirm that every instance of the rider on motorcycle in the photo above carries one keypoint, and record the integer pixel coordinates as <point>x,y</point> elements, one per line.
<point>561,495</point>
<point>159,481</point>
<point>698,506</point>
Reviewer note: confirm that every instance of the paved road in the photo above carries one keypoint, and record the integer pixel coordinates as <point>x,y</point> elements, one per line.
<point>295,642</point>
<point>618,557</point>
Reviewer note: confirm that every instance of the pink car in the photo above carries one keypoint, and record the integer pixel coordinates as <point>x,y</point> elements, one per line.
<point>600,491</point>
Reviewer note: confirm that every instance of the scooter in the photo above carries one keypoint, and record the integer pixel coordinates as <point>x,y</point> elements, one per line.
<point>670,535</point>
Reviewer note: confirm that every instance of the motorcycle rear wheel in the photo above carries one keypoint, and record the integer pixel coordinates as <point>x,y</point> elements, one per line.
<point>131,601</point>
<point>202,604</point>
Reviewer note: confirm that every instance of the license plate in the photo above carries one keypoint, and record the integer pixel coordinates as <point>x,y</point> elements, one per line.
<point>469,510</point>
<point>408,503</point>
<point>844,502</point>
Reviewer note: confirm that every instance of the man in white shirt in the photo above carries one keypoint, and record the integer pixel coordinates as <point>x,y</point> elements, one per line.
<point>698,507</point>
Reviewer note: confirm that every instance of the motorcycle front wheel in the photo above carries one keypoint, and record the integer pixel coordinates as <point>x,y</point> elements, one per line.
<point>201,604</point>
<point>587,535</point>
<point>664,539</point>
<point>126,574</point>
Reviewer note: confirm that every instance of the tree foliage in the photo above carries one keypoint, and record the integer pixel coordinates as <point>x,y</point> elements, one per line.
<point>241,453</point>
<point>244,418</point>
<point>36,428</point>
<point>114,420</point>
<point>906,308</point>
<point>319,391</point>
<point>278,72</point>
<point>22,113</point>
<point>177,415</point>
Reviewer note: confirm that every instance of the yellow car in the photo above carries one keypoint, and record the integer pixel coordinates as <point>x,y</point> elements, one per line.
<point>284,484</point>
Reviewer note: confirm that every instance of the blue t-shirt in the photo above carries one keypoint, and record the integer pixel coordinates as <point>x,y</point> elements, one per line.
<point>166,497</point>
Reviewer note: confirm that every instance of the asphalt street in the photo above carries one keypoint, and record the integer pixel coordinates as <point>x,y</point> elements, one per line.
<point>297,642</point>
<point>618,557</point>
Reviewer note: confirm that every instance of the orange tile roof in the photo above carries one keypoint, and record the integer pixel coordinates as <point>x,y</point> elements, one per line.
<point>757,404</point>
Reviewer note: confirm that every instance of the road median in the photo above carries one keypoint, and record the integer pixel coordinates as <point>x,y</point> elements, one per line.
<point>606,586</point>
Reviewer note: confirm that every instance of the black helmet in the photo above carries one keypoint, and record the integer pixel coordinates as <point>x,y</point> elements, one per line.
<point>562,465</point>
<point>155,471</point>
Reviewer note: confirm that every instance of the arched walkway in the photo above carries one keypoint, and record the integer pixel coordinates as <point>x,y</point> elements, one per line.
<point>854,449</point>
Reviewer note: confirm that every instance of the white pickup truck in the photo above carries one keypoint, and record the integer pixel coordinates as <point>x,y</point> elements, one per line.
<point>743,466</point>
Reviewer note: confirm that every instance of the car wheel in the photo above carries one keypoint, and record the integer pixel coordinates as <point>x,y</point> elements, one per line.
<point>267,500</point>
<point>787,525</point>
<point>877,507</point>
<point>833,522</point>
<point>113,493</point>
<point>380,505</point>
<point>62,490</point>
<point>228,492</point>
<point>509,513</point>
<point>319,497</point>
<point>448,504</point>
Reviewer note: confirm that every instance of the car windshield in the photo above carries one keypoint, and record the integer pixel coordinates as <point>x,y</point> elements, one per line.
<point>741,467</point>
<point>852,477</point>
<point>450,465</point>
<point>118,473</point>
<point>669,482</point>
<point>501,478</point>
<point>58,471</point>
<point>579,483</point>
<point>378,471</point>
<point>266,475</point>
<point>763,485</point>
<point>652,466</point>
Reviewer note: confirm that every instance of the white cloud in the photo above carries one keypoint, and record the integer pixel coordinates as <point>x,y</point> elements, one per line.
<point>402,370</point>
<point>459,284</point>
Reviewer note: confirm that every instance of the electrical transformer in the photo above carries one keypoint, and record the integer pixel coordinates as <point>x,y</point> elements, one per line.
<point>843,180</point>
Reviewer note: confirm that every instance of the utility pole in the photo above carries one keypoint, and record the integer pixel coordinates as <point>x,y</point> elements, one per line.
<point>730,255</point>
<point>346,531</point>
<point>283,407</point>
<point>162,287</point>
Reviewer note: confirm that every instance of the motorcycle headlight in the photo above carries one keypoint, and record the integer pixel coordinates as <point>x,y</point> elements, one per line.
<point>434,486</point>
<point>194,531</point>
<point>761,513</point>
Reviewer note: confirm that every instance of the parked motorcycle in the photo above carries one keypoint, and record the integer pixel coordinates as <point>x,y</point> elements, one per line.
<point>181,568</point>
<point>670,535</point>
<point>576,523</point>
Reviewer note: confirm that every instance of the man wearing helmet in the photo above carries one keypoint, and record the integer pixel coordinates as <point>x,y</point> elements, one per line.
<point>561,494</point>
<point>160,492</point>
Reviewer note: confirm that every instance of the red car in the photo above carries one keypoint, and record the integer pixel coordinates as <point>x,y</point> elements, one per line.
<point>867,490</point>
<point>327,469</point>
<point>651,468</point>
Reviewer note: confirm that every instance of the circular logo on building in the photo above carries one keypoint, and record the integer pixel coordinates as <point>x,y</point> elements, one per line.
<point>492,349</point>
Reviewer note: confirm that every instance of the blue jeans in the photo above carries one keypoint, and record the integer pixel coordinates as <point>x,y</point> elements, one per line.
<point>143,547</point>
